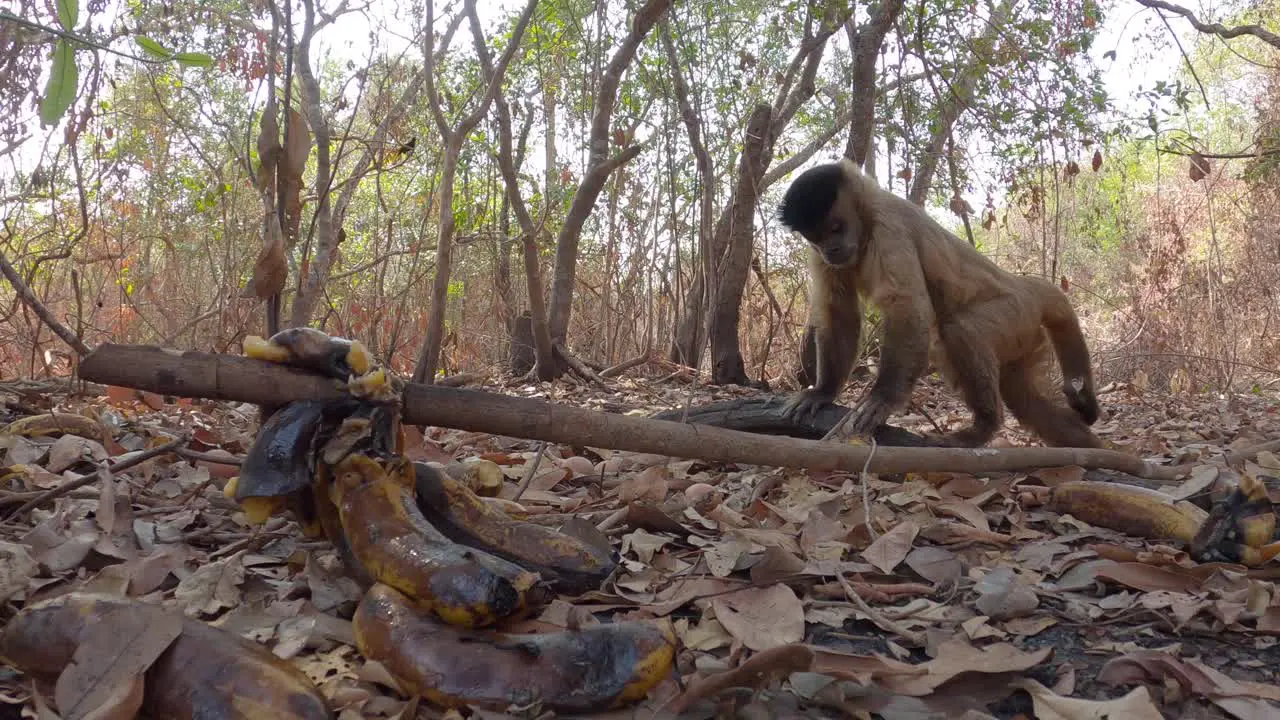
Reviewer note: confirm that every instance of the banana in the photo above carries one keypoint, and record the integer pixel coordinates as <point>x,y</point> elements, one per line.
<point>394,544</point>
<point>314,350</point>
<point>569,564</point>
<point>206,672</point>
<point>576,671</point>
<point>1128,509</point>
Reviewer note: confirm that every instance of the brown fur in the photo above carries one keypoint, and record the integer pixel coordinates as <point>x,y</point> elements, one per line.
<point>989,332</point>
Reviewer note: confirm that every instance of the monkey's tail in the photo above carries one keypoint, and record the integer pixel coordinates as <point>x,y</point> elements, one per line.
<point>1060,320</point>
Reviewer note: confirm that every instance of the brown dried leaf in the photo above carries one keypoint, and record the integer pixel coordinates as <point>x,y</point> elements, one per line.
<point>295,155</point>
<point>775,565</point>
<point>1141,576</point>
<point>68,554</point>
<point>756,672</point>
<point>114,651</point>
<point>649,485</point>
<point>682,591</point>
<point>271,269</point>
<point>1053,477</point>
<point>722,558</point>
<point>1002,596</point>
<point>1136,705</point>
<point>966,511</point>
<point>938,565</point>
<point>269,149</point>
<point>211,587</point>
<point>762,618</point>
<point>957,656</point>
<point>123,703</point>
<point>891,548</point>
<point>17,567</point>
<point>70,450</point>
<point>1199,167</point>
<point>643,544</point>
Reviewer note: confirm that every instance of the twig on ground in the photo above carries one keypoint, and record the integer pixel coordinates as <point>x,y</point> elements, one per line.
<point>866,496</point>
<point>533,470</point>
<point>877,617</point>
<point>83,480</point>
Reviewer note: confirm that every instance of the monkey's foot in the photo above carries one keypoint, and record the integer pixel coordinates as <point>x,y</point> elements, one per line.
<point>804,405</point>
<point>867,416</point>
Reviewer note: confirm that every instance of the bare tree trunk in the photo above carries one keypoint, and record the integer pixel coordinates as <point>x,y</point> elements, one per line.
<point>865,44</point>
<point>735,265</point>
<point>502,255</point>
<point>539,335</point>
<point>955,102</point>
<point>687,348</point>
<point>428,359</point>
<point>454,137</point>
<point>599,166</point>
<point>326,240</point>
<point>732,241</point>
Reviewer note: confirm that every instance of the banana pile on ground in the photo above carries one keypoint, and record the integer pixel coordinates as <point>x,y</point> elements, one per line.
<point>438,562</point>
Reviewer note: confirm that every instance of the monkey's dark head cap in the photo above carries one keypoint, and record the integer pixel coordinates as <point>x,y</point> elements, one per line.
<point>810,197</point>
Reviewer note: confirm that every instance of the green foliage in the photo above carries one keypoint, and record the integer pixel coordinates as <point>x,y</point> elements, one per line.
<point>160,52</point>
<point>68,14</point>
<point>64,77</point>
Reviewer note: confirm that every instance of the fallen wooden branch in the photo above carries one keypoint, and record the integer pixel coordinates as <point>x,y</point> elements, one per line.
<point>761,415</point>
<point>626,365</point>
<point>241,379</point>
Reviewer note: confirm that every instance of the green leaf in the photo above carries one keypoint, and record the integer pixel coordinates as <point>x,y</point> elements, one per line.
<point>64,76</point>
<point>153,47</point>
<point>68,14</point>
<point>194,59</point>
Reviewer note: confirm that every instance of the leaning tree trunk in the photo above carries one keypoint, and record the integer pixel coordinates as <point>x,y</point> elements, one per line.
<point>866,43</point>
<point>599,166</point>
<point>429,358</point>
<point>732,241</point>
<point>530,338</point>
<point>687,345</point>
<point>955,100</point>
<point>734,264</point>
<point>454,137</point>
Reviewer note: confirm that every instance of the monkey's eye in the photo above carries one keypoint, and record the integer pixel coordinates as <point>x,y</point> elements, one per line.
<point>836,227</point>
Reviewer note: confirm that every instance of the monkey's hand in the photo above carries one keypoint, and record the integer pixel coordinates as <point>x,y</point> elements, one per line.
<point>804,405</point>
<point>869,415</point>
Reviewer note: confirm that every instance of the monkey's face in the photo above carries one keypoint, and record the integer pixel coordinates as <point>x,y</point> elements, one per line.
<point>839,234</point>
<point>821,205</point>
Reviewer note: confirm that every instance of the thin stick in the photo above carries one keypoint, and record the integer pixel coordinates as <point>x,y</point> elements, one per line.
<point>533,469</point>
<point>866,497</point>
<point>210,457</point>
<point>876,616</point>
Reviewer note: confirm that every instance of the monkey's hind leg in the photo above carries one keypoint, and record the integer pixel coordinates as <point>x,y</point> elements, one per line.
<point>1056,425</point>
<point>970,366</point>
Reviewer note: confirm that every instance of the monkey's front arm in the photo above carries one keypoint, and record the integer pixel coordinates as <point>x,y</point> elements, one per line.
<point>836,339</point>
<point>904,356</point>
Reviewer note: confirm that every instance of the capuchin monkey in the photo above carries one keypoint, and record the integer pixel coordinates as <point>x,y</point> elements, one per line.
<point>989,332</point>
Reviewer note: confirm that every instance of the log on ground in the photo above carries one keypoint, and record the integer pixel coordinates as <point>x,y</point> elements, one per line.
<point>764,416</point>
<point>232,377</point>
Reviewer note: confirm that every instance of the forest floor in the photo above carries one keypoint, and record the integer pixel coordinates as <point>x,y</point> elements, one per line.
<point>969,601</point>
